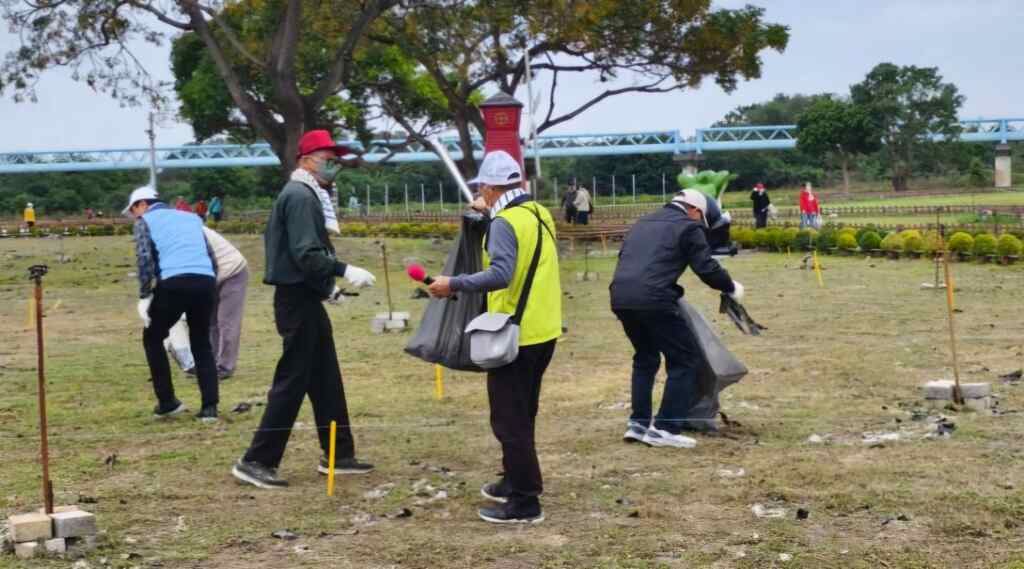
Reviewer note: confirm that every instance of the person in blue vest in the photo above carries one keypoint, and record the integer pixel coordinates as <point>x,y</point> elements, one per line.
<point>176,276</point>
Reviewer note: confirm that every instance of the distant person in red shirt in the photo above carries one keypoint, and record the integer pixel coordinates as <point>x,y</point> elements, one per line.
<point>182,205</point>
<point>200,209</point>
<point>810,208</point>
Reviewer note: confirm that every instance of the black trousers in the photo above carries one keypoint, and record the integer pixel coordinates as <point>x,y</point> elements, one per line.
<point>760,219</point>
<point>308,366</point>
<point>514,395</point>
<point>195,297</point>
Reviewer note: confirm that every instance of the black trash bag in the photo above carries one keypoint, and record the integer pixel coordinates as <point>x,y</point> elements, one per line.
<point>719,370</point>
<point>440,338</point>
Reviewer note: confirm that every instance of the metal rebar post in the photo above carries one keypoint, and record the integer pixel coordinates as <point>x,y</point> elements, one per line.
<point>387,278</point>
<point>36,273</point>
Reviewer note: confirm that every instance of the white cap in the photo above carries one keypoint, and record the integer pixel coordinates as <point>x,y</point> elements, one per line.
<point>139,194</point>
<point>498,169</point>
<point>694,199</point>
<point>29,204</point>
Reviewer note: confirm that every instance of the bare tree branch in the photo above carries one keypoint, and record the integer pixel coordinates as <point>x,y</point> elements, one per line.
<point>232,37</point>
<point>162,16</point>
<point>648,88</point>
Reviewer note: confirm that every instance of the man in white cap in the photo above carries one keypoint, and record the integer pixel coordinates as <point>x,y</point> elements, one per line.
<point>29,215</point>
<point>520,240</point>
<point>644,296</point>
<point>176,276</point>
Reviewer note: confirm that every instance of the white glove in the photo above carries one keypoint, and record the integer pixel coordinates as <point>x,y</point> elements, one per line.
<point>336,296</point>
<point>144,310</point>
<point>359,277</point>
<point>737,293</point>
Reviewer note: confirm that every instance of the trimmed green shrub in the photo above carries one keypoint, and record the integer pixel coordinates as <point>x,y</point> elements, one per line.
<point>743,236</point>
<point>826,238</point>
<point>961,242</point>
<point>985,244</point>
<point>805,239</point>
<point>847,241</point>
<point>1009,246</point>
<point>763,237</point>
<point>913,243</point>
<point>869,240</point>
<point>892,242</point>
<point>869,228</point>
<point>847,231</point>
<point>932,242</point>
<point>783,240</point>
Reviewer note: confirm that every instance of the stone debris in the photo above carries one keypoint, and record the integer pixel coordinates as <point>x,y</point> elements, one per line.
<point>617,406</point>
<point>785,557</point>
<point>764,512</point>
<point>872,439</point>
<point>731,472</point>
<point>379,492</point>
<point>815,439</point>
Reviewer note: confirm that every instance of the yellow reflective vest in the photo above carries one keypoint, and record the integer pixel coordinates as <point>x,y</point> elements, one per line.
<point>542,319</point>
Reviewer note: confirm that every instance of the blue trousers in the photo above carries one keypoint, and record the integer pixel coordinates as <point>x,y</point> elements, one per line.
<point>655,334</point>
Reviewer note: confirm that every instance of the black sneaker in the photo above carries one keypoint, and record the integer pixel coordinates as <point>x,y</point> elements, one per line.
<point>175,408</point>
<point>208,414</point>
<point>495,491</point>
<point>258,475</point>
<point>344,466</point>
<point>223,374</point>
<point>192,371</point>
<point>527,512</point>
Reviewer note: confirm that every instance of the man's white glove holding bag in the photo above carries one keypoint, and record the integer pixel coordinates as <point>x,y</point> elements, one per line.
<point>144,310</point>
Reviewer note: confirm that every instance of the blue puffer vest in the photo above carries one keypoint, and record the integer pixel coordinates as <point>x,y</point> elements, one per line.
<point>179,241</point>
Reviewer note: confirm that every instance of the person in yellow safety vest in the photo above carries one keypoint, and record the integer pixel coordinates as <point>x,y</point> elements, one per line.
<point>513,390</point>
<point>30,215</point>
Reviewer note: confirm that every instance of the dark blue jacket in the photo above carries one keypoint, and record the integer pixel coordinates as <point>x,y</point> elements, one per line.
<point>656,251</point>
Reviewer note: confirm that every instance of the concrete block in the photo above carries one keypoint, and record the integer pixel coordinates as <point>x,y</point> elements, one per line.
<point>386,322</point>
<point>396,324</point>
<point>28,550</point>
<point>59,509</point>
<point>938,390</point>
<point>975,390</point>
<point>979,403</point>
<point>377,326</point>
<point>73,524</point>
<point>588,276</point>
<point>393,315</point>
<point>56,546</point>
<point>30,527</point>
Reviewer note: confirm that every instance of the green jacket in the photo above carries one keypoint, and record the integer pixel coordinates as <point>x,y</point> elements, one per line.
<point>298,250</point>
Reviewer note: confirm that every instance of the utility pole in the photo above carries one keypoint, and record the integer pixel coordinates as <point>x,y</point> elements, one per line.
<point>151,133</point>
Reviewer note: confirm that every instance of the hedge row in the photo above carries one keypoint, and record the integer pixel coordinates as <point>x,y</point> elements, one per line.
<point>868,239</point>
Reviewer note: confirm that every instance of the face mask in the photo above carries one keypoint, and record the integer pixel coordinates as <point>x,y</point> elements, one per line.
<point>328,171</point>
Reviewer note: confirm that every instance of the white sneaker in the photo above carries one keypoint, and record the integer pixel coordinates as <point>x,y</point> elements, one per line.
<point>658,438</point>
<point>634,432</point>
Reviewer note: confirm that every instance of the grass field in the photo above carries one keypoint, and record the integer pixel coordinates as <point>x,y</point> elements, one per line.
<point>839,362</point>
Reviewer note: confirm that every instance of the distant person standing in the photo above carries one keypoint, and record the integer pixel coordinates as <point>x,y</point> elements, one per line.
<point>201,209</point>
<point>216,208</point>
<point>810,208</point>
<point>583,206</point>
<point>761,202</point>
<point>182,205</point>
<point>89,213</point>
<point>569,204</point>
<point>29,215</point>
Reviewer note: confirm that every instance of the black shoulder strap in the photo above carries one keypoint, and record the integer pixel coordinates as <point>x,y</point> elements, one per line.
<point>525,295</point>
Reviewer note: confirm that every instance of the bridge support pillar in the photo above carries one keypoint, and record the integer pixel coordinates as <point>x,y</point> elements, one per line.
<point>690,162</point>
<point>1003,166</point>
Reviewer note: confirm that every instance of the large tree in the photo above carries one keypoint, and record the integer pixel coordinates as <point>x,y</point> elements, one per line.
<point>839,130</point>
<point>278,83</point>
<point>659,46</point>
<point>428,66</point>
<point>911,106</point>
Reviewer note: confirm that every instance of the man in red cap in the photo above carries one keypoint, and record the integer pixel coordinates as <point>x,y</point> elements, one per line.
<point>301,263</point>
<point>761,202</point>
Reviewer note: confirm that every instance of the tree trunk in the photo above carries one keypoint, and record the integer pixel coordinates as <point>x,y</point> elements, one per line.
<point>468,162</point>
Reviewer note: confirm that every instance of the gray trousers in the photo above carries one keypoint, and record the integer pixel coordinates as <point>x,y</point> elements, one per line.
<point>226,320</point>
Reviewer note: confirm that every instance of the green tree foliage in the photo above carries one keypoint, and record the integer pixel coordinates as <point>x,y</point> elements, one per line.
<point>837,129</point>
<point>909,105</point>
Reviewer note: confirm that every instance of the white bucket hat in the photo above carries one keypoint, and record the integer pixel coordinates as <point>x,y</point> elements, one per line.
<point>139,194</point>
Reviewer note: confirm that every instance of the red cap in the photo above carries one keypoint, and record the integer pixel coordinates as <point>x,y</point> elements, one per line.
<point>416,272</point>
<point>320,140</point>
<point>759,186</point>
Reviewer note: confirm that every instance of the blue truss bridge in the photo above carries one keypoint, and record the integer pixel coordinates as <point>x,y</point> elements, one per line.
<point>715,139</point>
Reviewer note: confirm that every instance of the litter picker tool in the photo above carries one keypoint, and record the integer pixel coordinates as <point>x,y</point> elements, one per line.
<point>739,316</point>
<point>435,143</point>
<point>36,273</point>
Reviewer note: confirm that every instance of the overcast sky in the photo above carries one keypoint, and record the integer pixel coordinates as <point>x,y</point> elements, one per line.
<point>976,45</point>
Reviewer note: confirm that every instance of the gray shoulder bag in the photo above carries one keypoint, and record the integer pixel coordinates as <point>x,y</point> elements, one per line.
<point>494,336</point>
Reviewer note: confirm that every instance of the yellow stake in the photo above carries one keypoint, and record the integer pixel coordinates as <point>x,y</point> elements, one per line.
<point>817,270</point>
<point>789,253</point>
<point>330,459</point>
<point>438,382</point>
